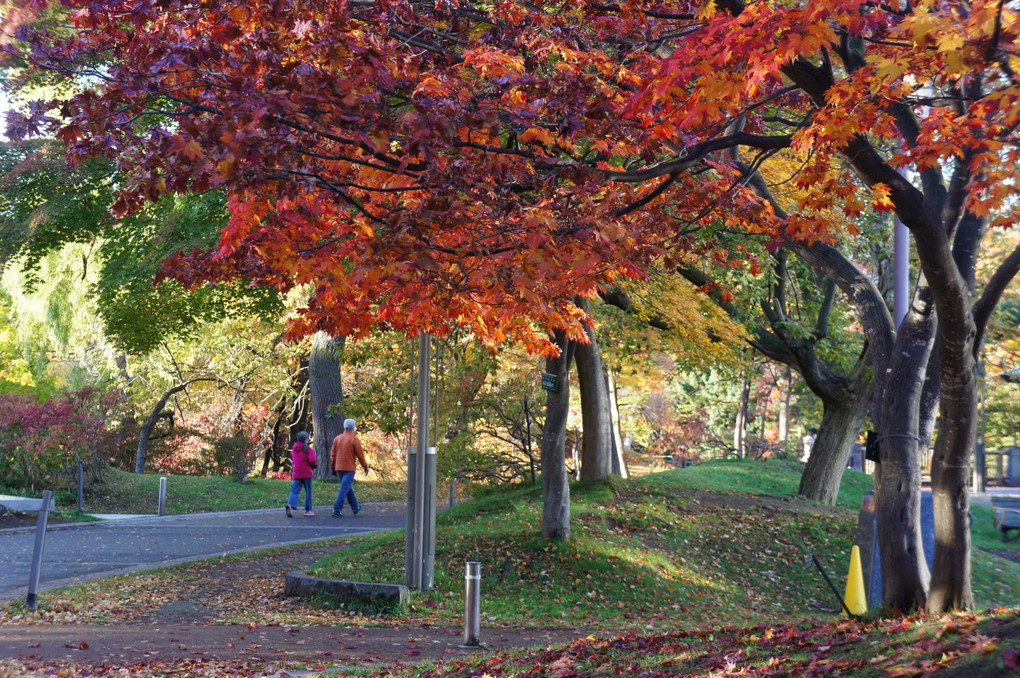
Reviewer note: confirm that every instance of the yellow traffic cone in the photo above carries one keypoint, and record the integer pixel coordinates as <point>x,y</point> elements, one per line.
<point>855,598</point>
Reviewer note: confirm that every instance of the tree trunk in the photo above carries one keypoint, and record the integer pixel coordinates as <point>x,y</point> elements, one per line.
<point>327,395</point>
<point>300,409</point>
<point>841,422</point>
<point>954,447</point>
<point>897,417</point>
<point>764,419</point>
<point>271,453</point>
<point>950,585</point>
<point>555,482</point>
<point>597,434</point>
<point>146,430</point>
<point>899,360</point>
<point>619,462</point>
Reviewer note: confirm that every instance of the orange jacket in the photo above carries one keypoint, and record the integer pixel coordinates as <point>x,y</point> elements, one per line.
<point>345,450</point>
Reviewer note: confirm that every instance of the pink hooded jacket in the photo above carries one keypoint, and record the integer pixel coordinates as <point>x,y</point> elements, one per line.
<point>302,455</point>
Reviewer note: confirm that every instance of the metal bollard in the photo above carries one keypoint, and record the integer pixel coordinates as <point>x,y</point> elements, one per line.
<point>472,603</point>
<point>81,486</point>
<point>162,495</point>
<point>37,555</point>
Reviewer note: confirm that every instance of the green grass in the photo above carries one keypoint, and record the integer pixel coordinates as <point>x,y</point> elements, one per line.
<point>139,493</point>
<point>720,543</point>
<point>706,565</point>
<point>685,572</point>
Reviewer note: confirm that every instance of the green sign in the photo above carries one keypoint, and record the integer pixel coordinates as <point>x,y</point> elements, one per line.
<point>550,382</point>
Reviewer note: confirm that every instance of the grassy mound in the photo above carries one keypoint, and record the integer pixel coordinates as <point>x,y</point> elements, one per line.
<point>723,543</point>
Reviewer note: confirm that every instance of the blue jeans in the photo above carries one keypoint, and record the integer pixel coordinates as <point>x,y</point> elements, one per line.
<point>346,493</point>
<point>295,492</point>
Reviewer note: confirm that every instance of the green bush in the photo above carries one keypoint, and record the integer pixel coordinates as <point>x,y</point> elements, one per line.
<point>234,455</point>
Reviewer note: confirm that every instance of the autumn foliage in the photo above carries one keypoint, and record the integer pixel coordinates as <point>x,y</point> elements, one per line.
<point>40,441</point>
<point>428,165</point>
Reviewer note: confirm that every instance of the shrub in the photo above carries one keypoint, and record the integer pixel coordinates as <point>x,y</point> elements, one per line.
<point>40,441</point>
<point>234,455</point>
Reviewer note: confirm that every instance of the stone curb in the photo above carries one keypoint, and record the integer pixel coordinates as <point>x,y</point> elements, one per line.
<point>301,585</point>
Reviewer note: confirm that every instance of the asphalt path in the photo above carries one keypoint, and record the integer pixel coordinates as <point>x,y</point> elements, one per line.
<point>84,551</point>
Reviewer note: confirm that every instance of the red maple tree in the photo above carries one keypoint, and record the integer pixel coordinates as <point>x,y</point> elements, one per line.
<point>424,165</point>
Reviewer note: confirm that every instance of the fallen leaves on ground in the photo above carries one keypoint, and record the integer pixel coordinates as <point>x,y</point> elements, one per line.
<point>194,668</point>
<point>912,646</point>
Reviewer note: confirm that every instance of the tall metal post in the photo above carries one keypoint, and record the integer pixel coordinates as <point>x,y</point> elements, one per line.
<point>421,445</point>
<point>40,546</point>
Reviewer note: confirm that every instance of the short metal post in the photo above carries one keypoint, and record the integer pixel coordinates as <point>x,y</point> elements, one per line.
<point>162,495</point>
<point>81,486</point>
<point>37,555</point>
<point>428,539</point>
<point>409,538</point>
<point>472,603</point>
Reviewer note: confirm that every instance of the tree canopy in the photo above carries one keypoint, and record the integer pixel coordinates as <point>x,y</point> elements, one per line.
<point>432,165</point>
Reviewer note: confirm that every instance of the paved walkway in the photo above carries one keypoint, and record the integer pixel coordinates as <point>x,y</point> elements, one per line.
<point>76,552</point>
<point>338,646</point>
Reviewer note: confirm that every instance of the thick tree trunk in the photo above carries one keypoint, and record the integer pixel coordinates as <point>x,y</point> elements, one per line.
<point>897,417</point>
<point>841,422</point>
<point>899,360</point>
<point>596,418</point>
<point>555,481</point>
<point>950,584</point>
<point>327,395</point>
<point>954,448</point>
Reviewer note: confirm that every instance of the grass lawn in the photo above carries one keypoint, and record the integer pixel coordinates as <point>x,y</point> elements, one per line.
<point>715,544</point>
<point>696,571</point>
<point>139,493</point>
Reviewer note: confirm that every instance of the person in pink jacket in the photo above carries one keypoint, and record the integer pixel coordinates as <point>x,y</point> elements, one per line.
<point>303,463</point>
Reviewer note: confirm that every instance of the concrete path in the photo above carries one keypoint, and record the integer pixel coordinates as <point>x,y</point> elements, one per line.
<point>339,647</point>
<point>84,551</point>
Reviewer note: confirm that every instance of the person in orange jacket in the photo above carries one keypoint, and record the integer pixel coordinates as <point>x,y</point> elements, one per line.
<point>344,455</point>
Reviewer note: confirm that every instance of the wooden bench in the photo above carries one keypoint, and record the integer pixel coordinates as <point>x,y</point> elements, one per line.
<point>1007,515</point>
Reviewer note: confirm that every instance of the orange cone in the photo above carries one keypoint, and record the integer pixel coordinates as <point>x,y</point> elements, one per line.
<point>855,598</point>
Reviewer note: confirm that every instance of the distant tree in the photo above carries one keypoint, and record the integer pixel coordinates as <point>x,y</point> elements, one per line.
<point>45,204</point>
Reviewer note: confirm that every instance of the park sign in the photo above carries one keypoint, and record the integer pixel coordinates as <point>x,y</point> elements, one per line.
<point>550,382</point>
